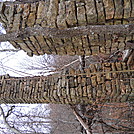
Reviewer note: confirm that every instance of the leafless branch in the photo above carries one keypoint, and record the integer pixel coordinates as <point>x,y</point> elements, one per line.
<point>13,129</point>
<point>86,127</point>
<point>10,111</point>
<point>9,50</point>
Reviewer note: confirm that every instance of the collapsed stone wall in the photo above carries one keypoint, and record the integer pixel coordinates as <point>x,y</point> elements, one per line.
<point>101,82</point>
<point>64,14</point>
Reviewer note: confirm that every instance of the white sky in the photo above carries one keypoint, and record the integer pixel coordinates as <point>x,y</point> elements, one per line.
<point>11,61</point>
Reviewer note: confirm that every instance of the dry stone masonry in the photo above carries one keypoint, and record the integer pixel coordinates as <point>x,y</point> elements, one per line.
<point>102,82</point>
<point>63,14</point>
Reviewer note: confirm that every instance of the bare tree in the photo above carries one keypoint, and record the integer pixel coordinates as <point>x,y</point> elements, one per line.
<point>12,128</point>
<point>41,119</point>
<point>21,119</point>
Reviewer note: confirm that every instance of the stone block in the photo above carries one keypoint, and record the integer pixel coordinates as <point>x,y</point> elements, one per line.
<point>52,13</point>
<point>109,9</point>
<point>61,18</point>
<point>119,9</point>
<point>70,13</point>
<point>81,17</point>
<point>91,12</point>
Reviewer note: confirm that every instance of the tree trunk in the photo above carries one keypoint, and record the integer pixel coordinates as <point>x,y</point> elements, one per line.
<point>106,82</point>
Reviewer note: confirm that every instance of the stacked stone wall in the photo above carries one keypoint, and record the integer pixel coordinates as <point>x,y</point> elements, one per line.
<point>104,82</point>
<point>66,14</point>
<point>110,82</point>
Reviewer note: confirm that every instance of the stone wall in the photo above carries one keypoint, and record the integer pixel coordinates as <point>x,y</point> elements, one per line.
<point>99,82</point>
<point>67,13</point>
<point>64,14</point>
<point>102,82</point>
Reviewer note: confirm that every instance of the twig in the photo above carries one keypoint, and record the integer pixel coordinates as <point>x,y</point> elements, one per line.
<point>9,50</point>
<point>13,129</point>
<point>86,127</point>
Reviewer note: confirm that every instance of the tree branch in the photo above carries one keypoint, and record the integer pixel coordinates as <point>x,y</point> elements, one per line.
<point>69,32</point>
<point>9,50</point>
<point>86,127</point>
<point>7,124</point>
<point>10,111</point>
